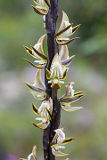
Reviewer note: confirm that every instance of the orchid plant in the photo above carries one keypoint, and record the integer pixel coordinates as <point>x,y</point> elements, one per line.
<point>51,72</point>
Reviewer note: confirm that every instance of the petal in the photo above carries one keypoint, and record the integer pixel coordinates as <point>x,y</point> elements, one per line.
<point>74,29</point>
<point>48,73</point>
<point>47,2</point>
<point>71,99</point>
<point>39,11</point>
<point>58,153</point>
<point>38,80</point>
<point>70,108</point>
<point>41,55</point>
<point>64,18</point>
<point>68,61</point>
<point>35,109</point>
<point>36,66</point>
<point>78,93</point>
<point>41,125</point>
<point>41,41</point>
<point>34,152</point>
<point>64,74</point>
<point>63,31</point>
<point>62,42</point>
<point>68,140</point>
<point>38,93</point>
<point>36,2</point>
<point>30,52</point>
<point>64,53</point>
<point>33,88</point>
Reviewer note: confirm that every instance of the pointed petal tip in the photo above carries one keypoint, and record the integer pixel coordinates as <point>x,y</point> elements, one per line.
<point>37,11</point>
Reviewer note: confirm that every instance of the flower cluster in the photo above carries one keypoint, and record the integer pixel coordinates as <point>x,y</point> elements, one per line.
<point>58,143</point>
<point>55,76</point>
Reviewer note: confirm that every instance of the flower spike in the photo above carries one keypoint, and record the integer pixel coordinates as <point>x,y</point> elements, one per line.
<point>65,31</point>
<point>42,6</point>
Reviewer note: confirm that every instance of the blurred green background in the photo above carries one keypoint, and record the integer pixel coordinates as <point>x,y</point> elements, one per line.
<point>20,26</point>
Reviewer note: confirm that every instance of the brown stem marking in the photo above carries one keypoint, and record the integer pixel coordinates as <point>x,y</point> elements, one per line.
<point>48,134</point>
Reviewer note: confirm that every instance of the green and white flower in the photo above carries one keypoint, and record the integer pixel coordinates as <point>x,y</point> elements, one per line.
<point>44,113</point>
<point>58,142</point>
<point>57,73</point>
<point>42,6</point>
<point>69,97</point>
<point>38,89</point>
<point>66,29</point>
<point>37,52</point>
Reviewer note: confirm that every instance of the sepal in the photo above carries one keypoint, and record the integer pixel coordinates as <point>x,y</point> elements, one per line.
<point>71,99</point>
<point>44,113</point>
<point>58,153</point>
<point>69,108</point>
<point>65,31</point>
<point>57,72</point>
<point>58,142</point>
<point>37,52</point>
<point>42,7</point>
<point>35,66</point>
<point>62,42</point>
<point>40,125</point>
<point>38,93</point>
<point>31,155</point>
<point>35,109</point>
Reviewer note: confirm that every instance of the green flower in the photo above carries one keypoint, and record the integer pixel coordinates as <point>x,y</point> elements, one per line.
<point>38,89</point>
<point>42,6</point>
<point>37,52</point>
<point>44,113</point>
<point>65,31</point>
<point>57,73</point>
<point>58,142</point>
<point>31,155</point>
<point>69,97</point>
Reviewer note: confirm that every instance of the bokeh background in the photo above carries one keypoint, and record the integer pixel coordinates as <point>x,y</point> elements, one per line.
<point>20,26</point>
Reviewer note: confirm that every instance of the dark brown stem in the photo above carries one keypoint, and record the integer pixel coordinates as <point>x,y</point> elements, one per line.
<point>48,134</point>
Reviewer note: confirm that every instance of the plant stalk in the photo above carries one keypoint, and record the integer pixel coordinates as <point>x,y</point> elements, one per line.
<point>51,19</point>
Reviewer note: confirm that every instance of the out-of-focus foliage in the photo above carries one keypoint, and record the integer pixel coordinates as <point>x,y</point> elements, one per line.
<point>20,26</point>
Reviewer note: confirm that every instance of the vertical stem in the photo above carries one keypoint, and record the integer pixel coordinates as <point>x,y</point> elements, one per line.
<point>48,134</point>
